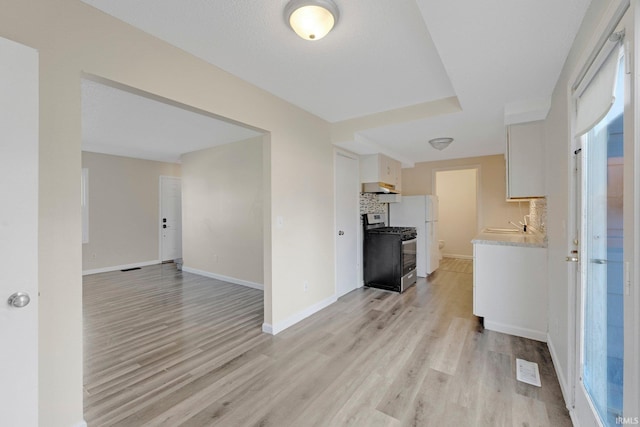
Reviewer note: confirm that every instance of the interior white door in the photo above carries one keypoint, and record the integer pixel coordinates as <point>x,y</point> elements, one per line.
<point>347,179</point>
<point>170,218</point>
<point>19,234</point>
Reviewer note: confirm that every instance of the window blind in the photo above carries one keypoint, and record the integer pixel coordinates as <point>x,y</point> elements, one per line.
<point>596,93</point>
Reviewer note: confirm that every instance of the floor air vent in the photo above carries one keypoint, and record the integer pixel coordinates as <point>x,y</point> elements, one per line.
<point>527,372</point>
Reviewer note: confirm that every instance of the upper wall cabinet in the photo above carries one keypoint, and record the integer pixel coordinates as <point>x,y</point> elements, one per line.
<point>525,166</point>
<point>380,168</point>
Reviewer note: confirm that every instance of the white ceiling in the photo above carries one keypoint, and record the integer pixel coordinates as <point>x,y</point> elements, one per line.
<point>119,122</point>
<point>501,58</point>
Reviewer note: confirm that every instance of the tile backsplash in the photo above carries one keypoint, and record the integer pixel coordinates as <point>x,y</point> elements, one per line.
<point>369,203</point>
<point>538,214</point>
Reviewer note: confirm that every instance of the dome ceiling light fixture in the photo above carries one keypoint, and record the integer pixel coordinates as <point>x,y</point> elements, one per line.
<point>311,19</point>
<point>440,143</point>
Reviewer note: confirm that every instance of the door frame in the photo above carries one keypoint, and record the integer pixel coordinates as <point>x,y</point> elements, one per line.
<point>631,402</point>
<point>356,215</point>
<point>474,166</point>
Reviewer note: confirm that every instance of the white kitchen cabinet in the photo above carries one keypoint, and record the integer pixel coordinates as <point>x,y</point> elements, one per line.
<point>381,168</point>
<point>397,173</point>
<point>525,161</point>
<point>509,289</point>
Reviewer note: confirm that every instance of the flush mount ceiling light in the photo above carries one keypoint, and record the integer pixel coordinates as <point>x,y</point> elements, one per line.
<point>311,19</point>
<point>440,143</point>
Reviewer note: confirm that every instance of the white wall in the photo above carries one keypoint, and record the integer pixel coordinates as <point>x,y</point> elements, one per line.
<point>456,190</point>
<point>558,170</point>
<point>222,199</point>
<point>123,210</point>
<point>74,38</point>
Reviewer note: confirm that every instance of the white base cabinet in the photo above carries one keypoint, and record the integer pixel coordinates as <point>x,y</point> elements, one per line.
<point>510,290</point>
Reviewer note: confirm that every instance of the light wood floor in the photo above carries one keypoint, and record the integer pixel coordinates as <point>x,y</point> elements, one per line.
<point>163,347</point>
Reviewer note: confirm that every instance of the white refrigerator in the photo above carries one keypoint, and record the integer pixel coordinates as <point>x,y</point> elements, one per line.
<point>420,212</point>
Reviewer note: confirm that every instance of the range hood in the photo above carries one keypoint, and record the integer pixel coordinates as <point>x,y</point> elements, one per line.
<point>379,188</point>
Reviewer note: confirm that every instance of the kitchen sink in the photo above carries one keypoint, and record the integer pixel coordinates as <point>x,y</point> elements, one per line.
<point>501,230</point>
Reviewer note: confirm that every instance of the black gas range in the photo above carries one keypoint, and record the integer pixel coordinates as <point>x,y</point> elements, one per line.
<point>405,233</point>
<point>389,254</point>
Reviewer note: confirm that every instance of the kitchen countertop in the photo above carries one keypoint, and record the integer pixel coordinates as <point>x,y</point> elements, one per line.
<point>511,239</point>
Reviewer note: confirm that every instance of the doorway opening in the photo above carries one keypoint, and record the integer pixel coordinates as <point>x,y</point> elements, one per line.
<point>222,203</point>
<point>457,191</point>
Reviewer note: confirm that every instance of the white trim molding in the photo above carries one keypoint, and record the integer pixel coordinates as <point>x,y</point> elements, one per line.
<point>564,386</point>
<point>120,267</point>
<point>457,256</point>
<point>233,280</point>
<point>515,330</point>
<point>292,320</point>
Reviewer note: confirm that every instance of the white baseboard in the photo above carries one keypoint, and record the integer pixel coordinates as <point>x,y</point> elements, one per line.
<point>120,267</point>
<point>457,256</point>
<point>564,387</point>
<point>223,278</point>
<point>514,330</point>
<point>292,320</point>
<point>574,419</point>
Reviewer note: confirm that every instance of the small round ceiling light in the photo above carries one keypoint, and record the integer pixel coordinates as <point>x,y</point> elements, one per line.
<point>311,19</point>
<point>440,143</point>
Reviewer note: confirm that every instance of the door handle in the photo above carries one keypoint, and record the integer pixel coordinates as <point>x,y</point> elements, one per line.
<point>572,259</point>
<point>599,261</point>
<point>19,299</point>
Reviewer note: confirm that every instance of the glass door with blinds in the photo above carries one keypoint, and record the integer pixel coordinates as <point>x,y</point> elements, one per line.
<point>602,260</point>
<point>605,241</point>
